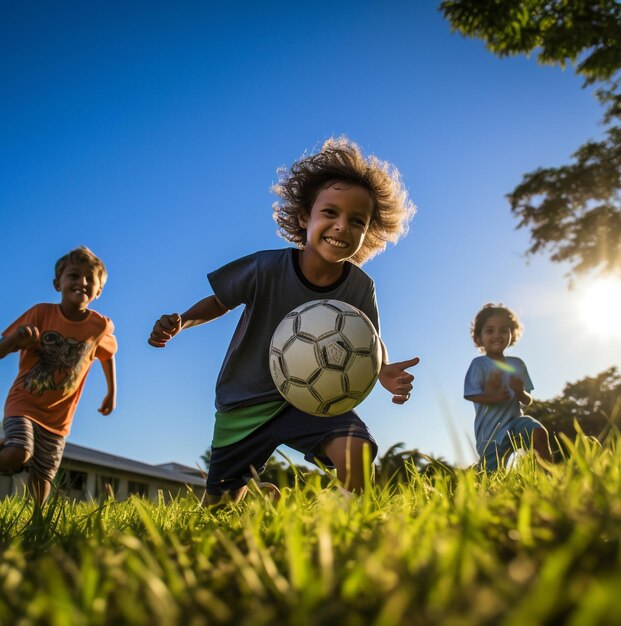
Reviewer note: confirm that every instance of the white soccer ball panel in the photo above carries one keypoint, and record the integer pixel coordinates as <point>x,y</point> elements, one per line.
<point>318,321</point>
<point>300,359</point>
<point>359,332</point>
<point>362,374</point>
<point>303,399</point>
<point>284,331</point>
<point>329,385</point>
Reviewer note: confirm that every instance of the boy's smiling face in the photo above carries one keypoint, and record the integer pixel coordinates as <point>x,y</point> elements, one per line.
<point>338,222</point>
<point>78,285</point>
<point>495,335</point>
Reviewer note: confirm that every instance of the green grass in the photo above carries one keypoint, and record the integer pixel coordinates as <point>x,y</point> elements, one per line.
<point>522,548</point>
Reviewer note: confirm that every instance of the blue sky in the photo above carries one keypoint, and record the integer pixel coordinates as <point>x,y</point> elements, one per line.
<point>151,132</point>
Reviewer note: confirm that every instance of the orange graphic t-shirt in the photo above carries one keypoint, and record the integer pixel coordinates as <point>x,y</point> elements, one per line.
<point>52,372</point>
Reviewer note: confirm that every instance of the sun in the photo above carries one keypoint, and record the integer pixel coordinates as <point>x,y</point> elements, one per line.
<point>600,307</point>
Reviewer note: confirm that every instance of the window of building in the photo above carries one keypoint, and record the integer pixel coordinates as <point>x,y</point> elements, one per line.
<point>106,486</point>
<point>72,480</point>
<point>138,488</point>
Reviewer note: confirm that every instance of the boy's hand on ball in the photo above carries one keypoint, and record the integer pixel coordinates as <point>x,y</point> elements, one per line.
<point>394,378</point>
<point>165,329</point>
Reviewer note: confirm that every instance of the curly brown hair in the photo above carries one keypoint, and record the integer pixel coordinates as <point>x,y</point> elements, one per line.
<point>488,311</point>
<point>340,159</point>
<point>82,256</point>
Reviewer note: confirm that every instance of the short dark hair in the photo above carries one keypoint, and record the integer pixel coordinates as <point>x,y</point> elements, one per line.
<point>488,311</point>
<point>341,159</point>
<point>83,256</point>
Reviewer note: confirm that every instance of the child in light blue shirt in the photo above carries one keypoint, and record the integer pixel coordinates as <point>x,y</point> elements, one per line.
<point>499,386</point>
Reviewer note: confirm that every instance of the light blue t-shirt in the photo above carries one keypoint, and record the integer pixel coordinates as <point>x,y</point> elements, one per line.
<point>492,421</point>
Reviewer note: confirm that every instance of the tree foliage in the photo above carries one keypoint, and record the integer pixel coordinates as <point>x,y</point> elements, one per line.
<point>594,403</point>
<point>583,33</point>
<point>573,211</point>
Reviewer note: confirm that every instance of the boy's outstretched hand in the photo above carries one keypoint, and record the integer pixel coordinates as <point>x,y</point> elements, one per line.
<point>395,379</point>
<point>165,329</point>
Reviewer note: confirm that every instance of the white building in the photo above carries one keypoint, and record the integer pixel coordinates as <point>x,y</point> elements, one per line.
<point>86,473</point>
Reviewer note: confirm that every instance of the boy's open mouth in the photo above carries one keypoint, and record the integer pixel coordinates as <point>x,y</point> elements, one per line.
<point>336,242</point>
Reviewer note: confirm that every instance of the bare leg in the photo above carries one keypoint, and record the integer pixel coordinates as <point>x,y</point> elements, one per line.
<point>347,455</point>
<point>39,488</point>
<point>269,489</point>
<point>230,497</point>
<point>541,444</point>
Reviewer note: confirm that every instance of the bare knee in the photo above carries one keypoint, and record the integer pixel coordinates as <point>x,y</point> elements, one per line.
<point>541,443</point>
<point>12,457</point>
<point>348,457</point>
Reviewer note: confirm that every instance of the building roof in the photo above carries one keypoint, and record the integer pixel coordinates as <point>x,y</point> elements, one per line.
<point>74,452</point>
<point>184,469</point>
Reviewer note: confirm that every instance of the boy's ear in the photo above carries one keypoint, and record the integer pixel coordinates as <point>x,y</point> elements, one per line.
<point>303,220</point>
<point>56,284</point>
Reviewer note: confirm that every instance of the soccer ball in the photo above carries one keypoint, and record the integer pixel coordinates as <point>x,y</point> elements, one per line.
<point>325,357</point>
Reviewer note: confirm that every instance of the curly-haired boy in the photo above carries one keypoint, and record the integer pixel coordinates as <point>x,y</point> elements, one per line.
<point>499,386</point>
<point>340,208</point>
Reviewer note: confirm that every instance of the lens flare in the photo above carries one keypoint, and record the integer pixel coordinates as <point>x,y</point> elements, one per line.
<point>505,367</point>
<point>600,308</point>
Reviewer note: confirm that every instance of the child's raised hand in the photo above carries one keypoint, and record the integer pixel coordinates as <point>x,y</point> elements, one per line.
<point>517,384</point>
<point>495,389</point>
<point>25,336</point>
<point>395,379</point>
<point>165,329</point>
<point>493,382</point>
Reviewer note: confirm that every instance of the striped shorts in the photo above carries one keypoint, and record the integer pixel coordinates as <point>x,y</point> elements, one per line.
<point>44,447</point>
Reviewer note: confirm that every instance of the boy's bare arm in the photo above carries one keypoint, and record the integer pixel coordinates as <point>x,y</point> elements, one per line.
<point>23,337</point>
<point>109,402</point>
<point>168,326</point>
<point>490,398</point>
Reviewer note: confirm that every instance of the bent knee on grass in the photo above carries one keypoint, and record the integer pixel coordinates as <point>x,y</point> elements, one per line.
<point>12,457</point>
<point>541,444</point>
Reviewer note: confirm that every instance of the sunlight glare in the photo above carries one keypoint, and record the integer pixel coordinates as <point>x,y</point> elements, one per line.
<point>600,307</point>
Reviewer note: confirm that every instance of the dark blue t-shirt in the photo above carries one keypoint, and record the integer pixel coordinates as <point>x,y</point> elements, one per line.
<point>270,284</point>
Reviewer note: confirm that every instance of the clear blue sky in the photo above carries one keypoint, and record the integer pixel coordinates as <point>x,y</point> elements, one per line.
<point>151,132</point>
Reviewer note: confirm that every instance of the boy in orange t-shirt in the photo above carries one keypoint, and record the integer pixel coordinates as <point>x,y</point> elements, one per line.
<point>58,344</point>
